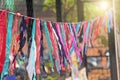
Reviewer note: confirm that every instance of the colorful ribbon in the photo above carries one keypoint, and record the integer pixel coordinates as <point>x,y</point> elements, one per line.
<point>15,40</point>
<point>32,58</point>
<point>54,46</point>
<point>3,30</point>
<point>110,21</point>
<point>38,39</point>
<point>23,31</point>
<point>8,45</point>
<point>59,49</point>
<point>61,46</point>
<point>74,43</point>
<point>41,51</point>
<point>65,53</point>
<point>49,44</point>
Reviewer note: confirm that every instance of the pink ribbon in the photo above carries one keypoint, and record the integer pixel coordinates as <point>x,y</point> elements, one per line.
<point>75,44</point>
<point>15,26</point>
<point>38,37</point>
<point>64,46</point>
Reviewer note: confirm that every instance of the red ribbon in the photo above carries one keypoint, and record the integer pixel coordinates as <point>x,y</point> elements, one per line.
<point>3,30</point>
<point>98,27</point>
<point>14,31</point>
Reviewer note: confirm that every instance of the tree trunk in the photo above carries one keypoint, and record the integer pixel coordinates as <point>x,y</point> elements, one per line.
<point>116,5</point>
<point>59,10</point>
<point>80,9</point>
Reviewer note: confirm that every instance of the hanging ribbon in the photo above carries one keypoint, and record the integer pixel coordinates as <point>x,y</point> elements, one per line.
<point>76,30</point>
<point>60,67</point>
<point>32,58</point>
<point>15,39</point>
<point>87,37</point>
<point>62,47</point>
<point>64,43</point>
<point>38,38</point>
<point>98,27</point>
<point>3,30</point>
<point>15,26</point>
<point>21,38</point>
<point>29,32</point>
<point>63,33</point>
<point>91,29</point>
<point>74,43</point>
<point>51,37</point>
<point>67,32</point>
<point>78,26</point>
<point>41,51</point>
<point>110,20</point>
<point>61,40</point>
<point>23,31</point>
<point>8,45</point>
<point>57,61</point>
<point>87,31</point>
<point>74,66</point>
<point>50,48</point>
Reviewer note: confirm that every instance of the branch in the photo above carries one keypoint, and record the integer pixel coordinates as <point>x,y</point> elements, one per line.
<point>70,8</point>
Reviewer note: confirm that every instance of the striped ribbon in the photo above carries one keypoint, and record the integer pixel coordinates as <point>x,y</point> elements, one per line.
<point>50,48</point>
<point>32,58</point>
<point>8,45</point>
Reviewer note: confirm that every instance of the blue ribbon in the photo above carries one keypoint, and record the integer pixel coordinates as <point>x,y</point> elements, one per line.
<point>77,30</point>
<point>78,27</point>
<point>32,60</point>
<point>109,21</point>
<point>61,50</point>
<point>49,44</point>
<point>63,33</point>
<point>33,46</point>
<point>59,47</point>
<point>64,40</point>
<point>23,30</point>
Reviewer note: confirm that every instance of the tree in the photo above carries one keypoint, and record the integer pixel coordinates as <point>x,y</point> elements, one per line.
<point>68,9</point>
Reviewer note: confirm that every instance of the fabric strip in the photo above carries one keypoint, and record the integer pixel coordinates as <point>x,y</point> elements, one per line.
<point>8,45</point>
<point>49,44</point>
<point>32,58</point>
<point>38,38</point>
<point>3,30</point>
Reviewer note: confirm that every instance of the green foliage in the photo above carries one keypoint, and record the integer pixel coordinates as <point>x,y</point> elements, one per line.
<point>53,77</point>
<point>10,5</point>
<point>48,64</point>
<point>49,5</point>
<point>91,11</point>
<point>103,40</point>
<point>69,12</point>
